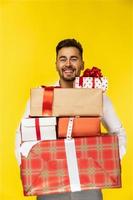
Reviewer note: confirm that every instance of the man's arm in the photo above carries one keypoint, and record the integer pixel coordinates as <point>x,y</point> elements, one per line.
<point>113,125</point>
<point>18,134</point>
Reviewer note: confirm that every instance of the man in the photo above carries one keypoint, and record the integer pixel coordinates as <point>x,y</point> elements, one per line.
<point>69,64</point>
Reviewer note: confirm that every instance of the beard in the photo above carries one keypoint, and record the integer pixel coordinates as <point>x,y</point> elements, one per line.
<point>68,78</point>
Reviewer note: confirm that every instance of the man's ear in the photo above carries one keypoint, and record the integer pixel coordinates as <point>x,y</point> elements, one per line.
<point>56,65</point>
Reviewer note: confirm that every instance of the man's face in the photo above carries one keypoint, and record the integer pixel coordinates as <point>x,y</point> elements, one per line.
<point>69,63</point>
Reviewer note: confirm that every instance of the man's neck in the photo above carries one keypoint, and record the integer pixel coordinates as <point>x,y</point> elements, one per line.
<point>66,84</point>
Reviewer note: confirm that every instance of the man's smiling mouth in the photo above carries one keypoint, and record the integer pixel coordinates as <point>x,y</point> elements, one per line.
<point>68,70</point>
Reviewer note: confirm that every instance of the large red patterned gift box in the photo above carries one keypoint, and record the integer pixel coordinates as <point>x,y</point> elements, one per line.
<point>71,165</point>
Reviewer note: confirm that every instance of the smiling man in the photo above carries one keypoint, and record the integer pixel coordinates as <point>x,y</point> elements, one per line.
<point>69,64</point>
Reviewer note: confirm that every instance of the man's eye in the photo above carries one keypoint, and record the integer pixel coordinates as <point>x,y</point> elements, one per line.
<point>62,59</point>
<point>73,59</point>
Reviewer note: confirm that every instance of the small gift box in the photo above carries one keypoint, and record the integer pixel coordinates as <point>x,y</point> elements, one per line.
<point>92,78</point>
<point>78,164</point>
<point>81,126</point>
<point>33,129</point>
<point>50,101</point>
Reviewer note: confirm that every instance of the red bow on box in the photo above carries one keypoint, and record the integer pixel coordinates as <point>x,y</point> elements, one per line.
<point>94,72</point>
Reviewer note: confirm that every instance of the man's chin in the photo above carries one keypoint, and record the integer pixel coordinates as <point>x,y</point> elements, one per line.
<point>69,78</point>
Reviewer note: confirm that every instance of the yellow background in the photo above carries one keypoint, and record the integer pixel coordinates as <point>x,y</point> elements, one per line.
<point>29,32</point>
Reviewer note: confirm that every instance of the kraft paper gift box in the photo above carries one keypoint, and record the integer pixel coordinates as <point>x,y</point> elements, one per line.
<point>59,166</point>
<point>91,82</point>
<point>33,129</point>
<point>81,126</point>
<point>66,102</point>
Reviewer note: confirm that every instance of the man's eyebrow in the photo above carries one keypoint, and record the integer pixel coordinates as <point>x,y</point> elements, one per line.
<point>74,56</point>
<point>62,57</point>
<point>70,56</point>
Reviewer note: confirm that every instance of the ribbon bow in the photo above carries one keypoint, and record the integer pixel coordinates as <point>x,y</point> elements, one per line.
<point>94,72</point>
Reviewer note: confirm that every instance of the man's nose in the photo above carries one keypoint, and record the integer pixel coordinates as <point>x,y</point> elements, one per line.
<point>68,62</point>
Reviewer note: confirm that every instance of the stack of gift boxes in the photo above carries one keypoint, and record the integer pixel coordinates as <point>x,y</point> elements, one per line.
<point>62,147</point>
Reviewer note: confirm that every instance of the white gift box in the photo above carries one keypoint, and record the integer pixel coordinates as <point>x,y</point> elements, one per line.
<point>91,82</point>
<point>33,129</point>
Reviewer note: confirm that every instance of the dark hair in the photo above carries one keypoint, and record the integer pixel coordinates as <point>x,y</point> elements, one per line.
<point>69,43</point>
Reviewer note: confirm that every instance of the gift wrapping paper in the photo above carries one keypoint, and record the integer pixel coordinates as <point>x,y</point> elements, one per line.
<point>91,82</point>
<point>47,168</point>
<point>82,126</point>
<point>33,129</point>
<point>66,102</point>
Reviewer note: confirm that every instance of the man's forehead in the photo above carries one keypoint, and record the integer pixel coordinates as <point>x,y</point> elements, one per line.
<point>68,51</point>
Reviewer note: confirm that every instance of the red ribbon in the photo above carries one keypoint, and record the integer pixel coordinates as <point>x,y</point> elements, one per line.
<point>81,81</point>
<point>37,126</point>
<point>47,101</point>
<point>93,82</point>
<point>94,72</point>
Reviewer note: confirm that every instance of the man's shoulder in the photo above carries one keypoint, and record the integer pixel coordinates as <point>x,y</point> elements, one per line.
<point>56,83</point>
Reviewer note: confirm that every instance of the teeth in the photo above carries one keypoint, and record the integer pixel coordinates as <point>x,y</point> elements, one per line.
<point>68,70</point>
